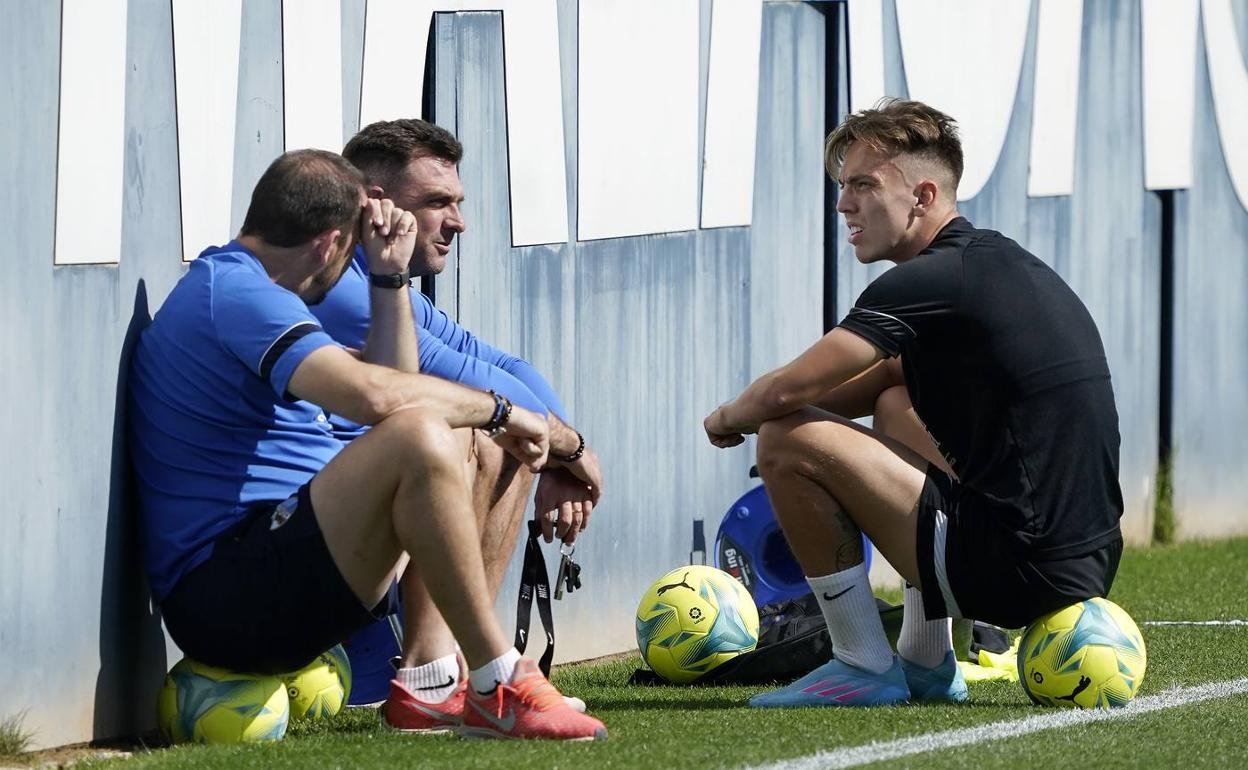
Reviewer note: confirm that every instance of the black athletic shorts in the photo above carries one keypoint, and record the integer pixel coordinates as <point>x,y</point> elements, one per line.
<point>270,598</point>
<point>972,567</point>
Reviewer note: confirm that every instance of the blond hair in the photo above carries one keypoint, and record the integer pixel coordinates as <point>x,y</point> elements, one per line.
<point>898,127</point>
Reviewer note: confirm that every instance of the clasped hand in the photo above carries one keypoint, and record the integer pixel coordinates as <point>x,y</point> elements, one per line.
<point>388,234</point>
<point>723,433</point>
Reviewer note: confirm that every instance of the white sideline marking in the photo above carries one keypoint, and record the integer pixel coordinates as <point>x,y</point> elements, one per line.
<point>1194,623</point>
<point>880,751</point>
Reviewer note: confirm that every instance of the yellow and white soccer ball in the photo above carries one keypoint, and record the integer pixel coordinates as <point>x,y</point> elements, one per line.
<point>693,619</point>
<point>203,704</point>
<point>1089,655</point>
<point>321,688</point>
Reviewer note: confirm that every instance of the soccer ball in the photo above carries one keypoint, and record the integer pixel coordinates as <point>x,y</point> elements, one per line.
<point>693,619</point>
<point>1089,655</point>
<point>320,689</point>
<point>205,704</point>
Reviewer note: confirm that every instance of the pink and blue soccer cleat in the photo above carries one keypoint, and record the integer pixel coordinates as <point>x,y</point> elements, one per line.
<point>942,684</point>
<point>837,683</point>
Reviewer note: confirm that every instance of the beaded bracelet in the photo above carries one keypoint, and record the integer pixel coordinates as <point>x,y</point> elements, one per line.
<point>576,455</point>
<point>498,421</point>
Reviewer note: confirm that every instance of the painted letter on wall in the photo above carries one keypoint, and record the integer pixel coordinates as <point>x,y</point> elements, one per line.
<point>1229,82</point>
<point>731,113</point>
<point>1169,77</point>
<point>206,37</point>
<point>395,37</point>
<point>866,54</point>
<point>964,57</point>
<point>312,73</point>
<point>1055,108</point>
<point>637,118</point>
<point>91,142</point>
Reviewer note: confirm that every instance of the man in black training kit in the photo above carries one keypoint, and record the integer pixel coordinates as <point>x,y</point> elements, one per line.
<point>990,479</point>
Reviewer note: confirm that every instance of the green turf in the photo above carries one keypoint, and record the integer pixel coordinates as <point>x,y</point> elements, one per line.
<point>703,727</point>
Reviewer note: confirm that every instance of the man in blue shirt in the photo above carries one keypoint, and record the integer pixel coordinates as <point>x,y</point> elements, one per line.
<point>414,163</point>
<point>267,539</point>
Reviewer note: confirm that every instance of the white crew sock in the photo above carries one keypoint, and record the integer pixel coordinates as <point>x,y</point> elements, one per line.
<point>853,619</point>
<point>432,682</point>
<point>922,641</point>
<point>498,671</point>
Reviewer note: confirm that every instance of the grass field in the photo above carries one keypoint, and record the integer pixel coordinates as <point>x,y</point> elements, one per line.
<point>696,727</point>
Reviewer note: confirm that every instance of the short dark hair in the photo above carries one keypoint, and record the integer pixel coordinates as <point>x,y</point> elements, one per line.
<point>301,195</point>
<point>898,127</point>
<point>384,148</point>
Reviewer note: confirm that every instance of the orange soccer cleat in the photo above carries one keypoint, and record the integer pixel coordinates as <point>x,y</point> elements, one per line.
<point>405,712</point>
<point>528,707</point>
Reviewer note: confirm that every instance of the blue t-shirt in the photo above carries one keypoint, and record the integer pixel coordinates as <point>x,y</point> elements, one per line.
<point>212,427</point>
<point>447,350</point>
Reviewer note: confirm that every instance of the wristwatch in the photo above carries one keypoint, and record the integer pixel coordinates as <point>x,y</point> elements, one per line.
<point>395,281</point>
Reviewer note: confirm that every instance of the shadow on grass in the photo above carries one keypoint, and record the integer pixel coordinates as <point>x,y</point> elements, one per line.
<point>672,704</point>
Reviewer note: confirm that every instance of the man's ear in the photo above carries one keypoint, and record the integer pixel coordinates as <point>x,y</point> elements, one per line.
<point>323,245</point>
<point>926,194</point>
<point>376,191</point>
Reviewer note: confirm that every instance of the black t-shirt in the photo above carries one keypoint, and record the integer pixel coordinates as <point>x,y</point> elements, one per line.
<point>1006,368</point>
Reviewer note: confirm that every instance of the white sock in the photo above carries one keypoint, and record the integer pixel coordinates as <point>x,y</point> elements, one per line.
<point>922,641</point>
<point>483,680</point>
<point>853,619</point>
<point>432,682</point>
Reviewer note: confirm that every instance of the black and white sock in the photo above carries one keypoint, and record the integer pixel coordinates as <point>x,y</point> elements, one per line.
<point>432,682</point>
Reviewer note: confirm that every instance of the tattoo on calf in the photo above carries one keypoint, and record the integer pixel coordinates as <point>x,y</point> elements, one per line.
<point>849,553</point>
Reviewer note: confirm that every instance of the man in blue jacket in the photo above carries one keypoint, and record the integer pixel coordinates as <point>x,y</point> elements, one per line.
<point>414,163</point>
<point>267,539</point>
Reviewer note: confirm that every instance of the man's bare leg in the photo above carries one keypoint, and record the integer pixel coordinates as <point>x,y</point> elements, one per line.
<point>399,489</point>
<point>922,641</point>
<point>500,495</point>
<point>499,488</point>
<point>829,479</point>
<point>427,637</point>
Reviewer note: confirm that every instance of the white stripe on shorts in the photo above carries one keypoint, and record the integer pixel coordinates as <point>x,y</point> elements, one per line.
<point>938,560</point>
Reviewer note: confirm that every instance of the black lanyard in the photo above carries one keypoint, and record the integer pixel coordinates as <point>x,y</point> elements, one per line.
<point>534,580</point>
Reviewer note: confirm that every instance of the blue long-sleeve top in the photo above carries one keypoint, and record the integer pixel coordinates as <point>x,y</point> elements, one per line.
<point>447,350</point>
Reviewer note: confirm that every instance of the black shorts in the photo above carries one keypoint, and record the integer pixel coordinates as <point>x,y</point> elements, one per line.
<point>270,598</point>
<point>972,566</point>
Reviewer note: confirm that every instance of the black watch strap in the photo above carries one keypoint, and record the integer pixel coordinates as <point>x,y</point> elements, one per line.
<point>395,281</point>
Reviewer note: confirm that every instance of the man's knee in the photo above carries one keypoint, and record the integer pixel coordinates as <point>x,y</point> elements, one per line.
<point>783,443</point>
<point>420,439</point>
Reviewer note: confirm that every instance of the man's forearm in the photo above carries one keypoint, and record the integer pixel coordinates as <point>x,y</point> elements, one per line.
<point>837,357</point>
<point>461,407</point>
<point>391,332</point>
<point>564,440</point>
<point>765,399</point>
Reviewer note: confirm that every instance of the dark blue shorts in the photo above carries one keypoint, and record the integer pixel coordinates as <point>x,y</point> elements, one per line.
<point>268,600</point>
<point>972,566</point>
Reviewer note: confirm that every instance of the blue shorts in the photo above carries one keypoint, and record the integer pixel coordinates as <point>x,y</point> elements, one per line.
<point>972,566</point>
<point>270,598</point>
